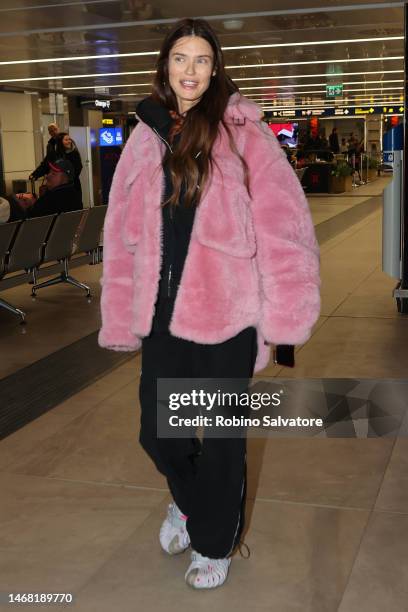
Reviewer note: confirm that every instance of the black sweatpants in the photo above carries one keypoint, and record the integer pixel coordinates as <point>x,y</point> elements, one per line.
<point>207,480</point>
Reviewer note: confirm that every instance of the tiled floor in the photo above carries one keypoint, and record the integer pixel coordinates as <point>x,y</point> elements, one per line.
<point>67,316</point>
<point>59,316</point>
<point>327,520</point>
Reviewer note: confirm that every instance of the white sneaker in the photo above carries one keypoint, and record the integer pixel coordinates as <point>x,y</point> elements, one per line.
<point>205,573</point>
<point>174,538</point>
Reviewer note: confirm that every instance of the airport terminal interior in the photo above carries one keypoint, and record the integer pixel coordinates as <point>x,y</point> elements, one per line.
<point>81,502</point>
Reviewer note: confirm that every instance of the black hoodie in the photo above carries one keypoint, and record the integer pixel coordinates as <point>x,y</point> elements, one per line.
<point>177,220</point>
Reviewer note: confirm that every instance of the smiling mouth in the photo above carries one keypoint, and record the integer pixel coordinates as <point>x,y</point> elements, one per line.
<point>189,84</point>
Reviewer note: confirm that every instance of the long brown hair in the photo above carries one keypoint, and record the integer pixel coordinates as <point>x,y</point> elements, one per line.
<point>201,124</point>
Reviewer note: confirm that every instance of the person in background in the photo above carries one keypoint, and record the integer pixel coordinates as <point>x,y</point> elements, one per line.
<point>323,140</point>
<point>43,168</point>
<point>344,147</point>
<point>334,141</point>
<point>60,196</point>
<point>313,142</point>
<point>204,294</point>
<point>352,144</point>
<point>67,149</point>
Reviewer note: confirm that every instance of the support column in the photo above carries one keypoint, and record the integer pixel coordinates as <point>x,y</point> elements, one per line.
<point>404,216</point>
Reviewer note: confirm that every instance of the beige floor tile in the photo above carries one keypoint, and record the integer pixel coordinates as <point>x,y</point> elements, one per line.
<point>327,208</point>
<point>335,472</point>
<point>300,561</point>
<point>37,436</point>
<point>347,265</point>
<point>373,298</point>
<point>331,243</point>
<point>273,370</point>
<point>393,495</point>
<point>100,445</point>
<point>55,535</point>
<point>58,317</point>
<point>379,580</point>
<point>355,347</point>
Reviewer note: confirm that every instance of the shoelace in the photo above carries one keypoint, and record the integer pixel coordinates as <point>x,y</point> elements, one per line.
<point>240,545</point>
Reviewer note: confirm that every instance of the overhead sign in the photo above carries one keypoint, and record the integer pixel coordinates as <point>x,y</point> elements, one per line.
<point>364,110</point>
<point>343,111</point>
<point>393,110</point>
<point>316,112</point>
<point>284,113</point>
<point>110,137</point>
<point>107,121</point>
<point>333,91</point>
<point>96,103</point>
<point>102,103</point>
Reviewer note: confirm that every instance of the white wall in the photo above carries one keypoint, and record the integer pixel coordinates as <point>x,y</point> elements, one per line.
<point>18,135</point>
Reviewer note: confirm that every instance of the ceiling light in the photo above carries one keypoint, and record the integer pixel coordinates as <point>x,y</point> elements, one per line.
<point>314,43</point>
<point>135,93</point>
<point>233,24</point>
<point>110,86</point>
<point>75,58</point>
<point>76,76</point>
<point>314,106</point>
<point>337,61</point>
<point>269,87</point>
<point>321,74</point>
<point>272,77</point>
<point>83,76</point>
<point>320,84</point>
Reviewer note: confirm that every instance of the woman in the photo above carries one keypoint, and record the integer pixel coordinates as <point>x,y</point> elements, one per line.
<point>209,257</point>
<point>65,148</point>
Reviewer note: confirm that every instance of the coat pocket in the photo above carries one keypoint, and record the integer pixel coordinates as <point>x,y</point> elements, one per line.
<point>224,219</point>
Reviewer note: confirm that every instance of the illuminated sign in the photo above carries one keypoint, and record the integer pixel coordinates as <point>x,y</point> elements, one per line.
<point>344,111</point>
<point>110,137</point>
<point>107,121</point>
<point>364,110</point>
<point>392,110</point>
<point>97,103</point>
<point>284,113</point>
<point>314,111</point>
<point>333,91</point>
<point>102,103</point>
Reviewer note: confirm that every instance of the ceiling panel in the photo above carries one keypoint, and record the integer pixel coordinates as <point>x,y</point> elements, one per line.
<point>300,66</point>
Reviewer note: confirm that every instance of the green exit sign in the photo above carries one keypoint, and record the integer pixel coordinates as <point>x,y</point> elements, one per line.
<point>332,91</point>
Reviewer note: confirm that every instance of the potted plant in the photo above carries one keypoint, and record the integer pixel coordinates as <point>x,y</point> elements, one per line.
<point>341,177</point>
<point>364,167</point>
<point>373,165</point>
<point>370,168</point>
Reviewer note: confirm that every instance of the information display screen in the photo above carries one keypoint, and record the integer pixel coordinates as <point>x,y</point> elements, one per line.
<point>286,133</point>
<point>110,136</point>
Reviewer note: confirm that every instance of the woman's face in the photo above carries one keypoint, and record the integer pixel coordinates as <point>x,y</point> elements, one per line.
<point>191,61</point>
<point>67,142</point>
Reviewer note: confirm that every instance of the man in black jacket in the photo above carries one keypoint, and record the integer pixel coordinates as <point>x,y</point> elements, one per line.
<point>61,195</point>
<point>42,169</point>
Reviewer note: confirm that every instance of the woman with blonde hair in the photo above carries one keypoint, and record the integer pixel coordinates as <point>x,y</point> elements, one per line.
<point>210,257</point>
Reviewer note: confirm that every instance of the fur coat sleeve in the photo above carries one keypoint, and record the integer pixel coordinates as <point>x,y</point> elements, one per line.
<point>117,279</point>
<point>287,251</point>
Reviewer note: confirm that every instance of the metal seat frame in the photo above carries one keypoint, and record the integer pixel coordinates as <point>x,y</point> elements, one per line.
<point>59,247</point>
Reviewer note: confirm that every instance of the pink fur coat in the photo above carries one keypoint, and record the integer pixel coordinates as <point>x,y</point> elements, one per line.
<point>253,260</point>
